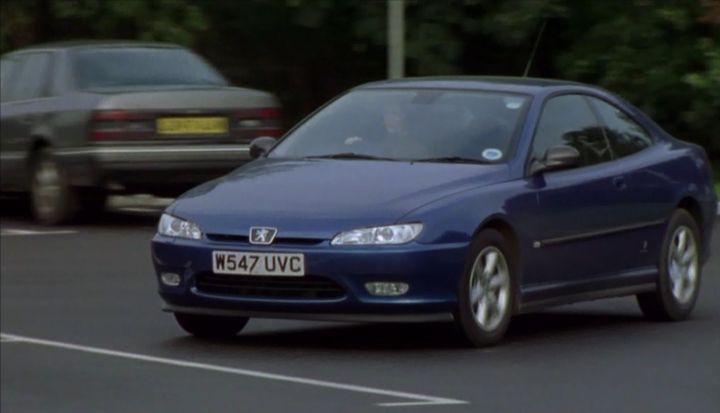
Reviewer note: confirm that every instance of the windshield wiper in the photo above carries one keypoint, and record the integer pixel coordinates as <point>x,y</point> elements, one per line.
<point>349,155</point>
<point>452,159</point>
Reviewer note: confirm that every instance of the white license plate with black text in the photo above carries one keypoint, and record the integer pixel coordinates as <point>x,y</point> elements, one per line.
<point>258,263</point>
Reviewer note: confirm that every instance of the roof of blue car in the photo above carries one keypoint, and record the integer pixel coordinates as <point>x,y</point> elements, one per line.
<point>513,84</point>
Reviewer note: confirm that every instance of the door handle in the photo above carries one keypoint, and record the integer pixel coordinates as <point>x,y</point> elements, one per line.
<point>619,182</point>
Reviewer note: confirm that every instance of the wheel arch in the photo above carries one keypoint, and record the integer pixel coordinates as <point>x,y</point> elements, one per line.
<point>37,143</point>
<point>693,207</point>
<point>502,224</point>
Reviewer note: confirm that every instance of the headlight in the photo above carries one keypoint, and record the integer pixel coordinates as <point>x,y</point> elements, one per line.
<point>175,227</point>
<point>391,234</point>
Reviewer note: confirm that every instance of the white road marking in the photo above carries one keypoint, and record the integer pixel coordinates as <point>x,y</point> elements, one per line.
<point>416,399</point>
<point>23,232</point>
<point>4,339</point>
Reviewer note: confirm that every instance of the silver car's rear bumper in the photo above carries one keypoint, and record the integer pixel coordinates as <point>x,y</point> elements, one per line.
<point>159,153</point>
<point>145,167</point>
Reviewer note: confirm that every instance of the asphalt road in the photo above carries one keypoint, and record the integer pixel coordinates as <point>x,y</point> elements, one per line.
<point>83,332</point>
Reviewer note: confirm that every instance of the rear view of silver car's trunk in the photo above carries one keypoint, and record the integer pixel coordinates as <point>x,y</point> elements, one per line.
<point>122,117</point>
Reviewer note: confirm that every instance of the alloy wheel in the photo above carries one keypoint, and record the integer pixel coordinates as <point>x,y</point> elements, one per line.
<point>489,288</point>
<point>683,264</point>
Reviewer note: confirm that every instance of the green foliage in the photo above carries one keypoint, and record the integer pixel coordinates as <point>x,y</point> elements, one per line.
<point>433,42</point>
<point>703,113</point>
<point>25,21</point>
<point>16,17</point>
<point>716,176</point>
<point>514,22</point>
<point>654,54</point>
<point>160,20</point>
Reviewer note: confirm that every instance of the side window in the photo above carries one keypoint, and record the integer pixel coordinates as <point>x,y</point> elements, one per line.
<point>569,120</point>
<point>7,66</point>
<point>625,135</point>
<point>58,79</point>
<point>33,74</point>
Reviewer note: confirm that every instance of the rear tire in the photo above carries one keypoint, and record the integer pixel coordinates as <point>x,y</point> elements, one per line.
<point>208,326</point>
<point>487,290</point>
<point>679,272</point>
<point>53,200</point>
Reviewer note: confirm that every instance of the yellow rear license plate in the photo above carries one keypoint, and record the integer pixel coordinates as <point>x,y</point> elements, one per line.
<point>192,126</point>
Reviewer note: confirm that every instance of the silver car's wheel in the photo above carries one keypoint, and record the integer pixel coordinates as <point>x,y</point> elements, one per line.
<point>46,187</point>
<point>490,288</point>
<point>486,293</point>
<point>679,271</point>
<point>52,199</point>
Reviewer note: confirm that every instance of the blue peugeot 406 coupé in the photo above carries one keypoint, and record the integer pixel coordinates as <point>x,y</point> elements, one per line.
<point>465,199</point>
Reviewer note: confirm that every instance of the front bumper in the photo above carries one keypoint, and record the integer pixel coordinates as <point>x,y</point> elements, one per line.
<point>432,271</point>
<point>145,165</point>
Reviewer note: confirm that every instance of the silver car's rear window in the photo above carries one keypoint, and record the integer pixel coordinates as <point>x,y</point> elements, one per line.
<point>141,66</point>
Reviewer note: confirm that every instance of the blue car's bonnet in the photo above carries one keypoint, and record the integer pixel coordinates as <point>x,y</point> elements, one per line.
<point>319,198</point>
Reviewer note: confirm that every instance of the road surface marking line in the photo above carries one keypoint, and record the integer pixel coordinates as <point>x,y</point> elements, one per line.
<point>9,340</point>
<point>411,404</point>
<point>417,399</point>
<point>22,232</point>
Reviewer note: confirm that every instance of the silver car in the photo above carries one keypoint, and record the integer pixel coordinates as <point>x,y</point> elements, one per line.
<point>81,120</point>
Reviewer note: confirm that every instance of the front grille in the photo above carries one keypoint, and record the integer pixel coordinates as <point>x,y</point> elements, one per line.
<point>307,287</point>
<point>277,241</point>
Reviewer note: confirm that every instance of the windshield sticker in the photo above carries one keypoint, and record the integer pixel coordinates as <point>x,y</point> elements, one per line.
<point>353,139</point>
<point>492,154</point>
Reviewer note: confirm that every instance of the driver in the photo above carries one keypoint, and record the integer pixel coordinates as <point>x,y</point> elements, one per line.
<point>396,142</point>
<point>394,121</point>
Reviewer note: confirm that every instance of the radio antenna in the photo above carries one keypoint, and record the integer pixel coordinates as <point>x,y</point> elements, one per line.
<point>532,54</point>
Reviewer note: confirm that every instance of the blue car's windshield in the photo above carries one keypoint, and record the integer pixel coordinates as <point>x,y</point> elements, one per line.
<point>141,66</point>
<point>426,125</point>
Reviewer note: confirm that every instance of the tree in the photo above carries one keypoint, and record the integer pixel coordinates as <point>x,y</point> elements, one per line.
<point>26,22</point>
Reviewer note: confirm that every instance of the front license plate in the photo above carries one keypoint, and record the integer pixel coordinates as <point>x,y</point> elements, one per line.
<point>258,263</point>
<point>192,126</point>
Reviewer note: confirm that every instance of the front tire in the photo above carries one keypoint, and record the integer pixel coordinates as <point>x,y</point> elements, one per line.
<point>679,272</point>
<point>487,290</point>
<point>208,326</point>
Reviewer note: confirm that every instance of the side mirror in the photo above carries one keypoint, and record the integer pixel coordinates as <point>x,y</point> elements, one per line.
<point>557,158</point>
<point>260,146</point>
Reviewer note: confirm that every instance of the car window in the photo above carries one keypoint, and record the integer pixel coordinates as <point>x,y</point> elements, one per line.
<point>31,82</point>
<point>625,135</point>
<point>404,124</point>
<point>141,66</point>
<point>60,79</point>
<point>7,65</point>
<point>569,120</point>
